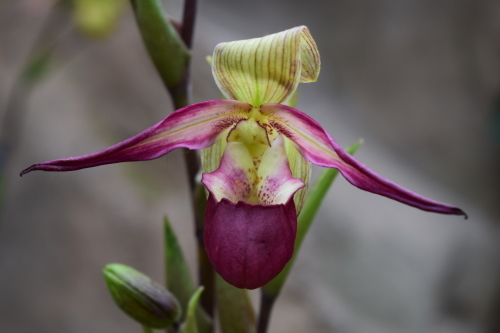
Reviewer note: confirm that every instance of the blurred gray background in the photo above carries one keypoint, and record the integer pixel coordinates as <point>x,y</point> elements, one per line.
<point>419,80</point>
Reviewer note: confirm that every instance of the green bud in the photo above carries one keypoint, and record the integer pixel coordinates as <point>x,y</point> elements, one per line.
<point>165,46</point>
<point>146,301</point>
<point>97,18</point>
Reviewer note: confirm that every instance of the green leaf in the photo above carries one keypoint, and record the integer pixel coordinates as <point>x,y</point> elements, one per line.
<point>179,280</point>
<point>311,205</point>
<point>163,43</point>
<point>236,313</point>
<point>190,325</point>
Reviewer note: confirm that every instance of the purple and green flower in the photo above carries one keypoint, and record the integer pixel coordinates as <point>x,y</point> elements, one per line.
<point>256,155</point>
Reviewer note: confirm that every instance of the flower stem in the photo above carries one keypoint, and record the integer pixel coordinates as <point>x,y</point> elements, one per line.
<point>172,63</point>
<point>266,307</point>
<point>188,20</point>
<point>180,98</point>
<point>180,94</point>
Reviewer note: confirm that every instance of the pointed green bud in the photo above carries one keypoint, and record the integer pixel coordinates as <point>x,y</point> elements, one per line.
<point>144,300</point>
<point>165,46</point>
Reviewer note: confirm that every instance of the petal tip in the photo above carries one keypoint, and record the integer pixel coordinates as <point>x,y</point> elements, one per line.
<point>455,211</point>
<point>458,211</point>
<point>25,171</point>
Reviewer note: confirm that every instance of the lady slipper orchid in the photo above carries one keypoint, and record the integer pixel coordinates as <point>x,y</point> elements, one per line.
<point>256,157</point>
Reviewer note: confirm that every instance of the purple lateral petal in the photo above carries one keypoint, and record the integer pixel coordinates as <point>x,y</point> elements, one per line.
<point>319,148</point>
<point>248,244</point>
<point>196,126</point>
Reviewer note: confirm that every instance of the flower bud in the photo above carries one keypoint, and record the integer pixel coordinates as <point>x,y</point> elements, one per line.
<point>97,18</point>
<point>144,300</point>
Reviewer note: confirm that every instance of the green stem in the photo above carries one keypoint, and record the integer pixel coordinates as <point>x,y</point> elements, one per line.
<point>180,95</point>
<point>170,54</point>
<point>180,98</point>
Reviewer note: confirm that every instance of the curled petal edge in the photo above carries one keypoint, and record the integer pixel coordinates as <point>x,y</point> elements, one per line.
<point>316,145</point>
<point>266,69</point>
<point>196,126</point>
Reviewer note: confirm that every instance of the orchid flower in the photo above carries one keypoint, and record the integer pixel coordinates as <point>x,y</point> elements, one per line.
<point>256,155</point>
